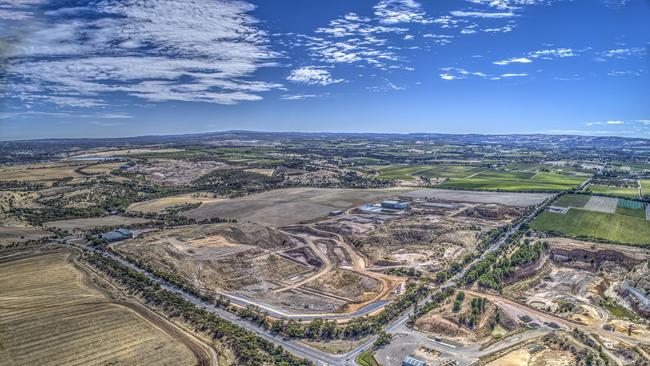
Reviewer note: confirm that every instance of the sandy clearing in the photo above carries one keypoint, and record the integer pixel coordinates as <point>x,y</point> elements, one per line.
<point>504,198</point>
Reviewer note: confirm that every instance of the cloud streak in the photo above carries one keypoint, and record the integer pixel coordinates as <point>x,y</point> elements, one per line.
<point>157,50</point>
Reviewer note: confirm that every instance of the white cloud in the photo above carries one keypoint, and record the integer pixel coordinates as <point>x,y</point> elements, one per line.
<point>400,11</point>
<point>453,73</point>
<point>312,75</point>
<point>509,4</point>
<point>158,50</point>
<point>514,60</point>
<point>353,39</point>
<point>626,73</point>
<point>553,53</point>
<point>621,53</point>
<point>479,14</point>
<point>605,123</point>
<point>300,96</point>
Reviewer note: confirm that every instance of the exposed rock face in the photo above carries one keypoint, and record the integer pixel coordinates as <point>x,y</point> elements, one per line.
<point>594,257</point>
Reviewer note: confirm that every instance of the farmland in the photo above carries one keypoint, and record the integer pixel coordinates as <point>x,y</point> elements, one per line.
<point>399,172</point>
<point>504,198</point>
<point>12,234</point>
<point>614,191</point>
<point>90,223</point>
<point>161,204</point>
<point>53,316</point>
<point>515,181</point>
<point>581,223</point>
<point>407,172</point>
<point>572,200</point>
<point>40,172</point>
<point>450,171</point>
<point>645,187</point>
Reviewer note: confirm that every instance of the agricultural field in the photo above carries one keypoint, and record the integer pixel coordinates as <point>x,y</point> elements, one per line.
<point>572,200</point>
<point>161,204</point>
<point>106,153</point>
<point>91,223</point>
<point>400,172</point>
<point>503,198</point>
<point>645,187</point>
<point>288,206</point>
<point>582,223</point>
<point>614,191</point>
<point>53,315</point>
<point>42,172</point>
<point>102,168</point>
<point>601,204</point>
<point>408,172</point>
<point>17,234</point>
<point>631,208</point>
<point>450,171</point>
<point>515,181</point>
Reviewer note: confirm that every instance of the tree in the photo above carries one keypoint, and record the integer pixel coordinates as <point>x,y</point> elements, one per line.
<point>383,339</point>
<point>457,305</point>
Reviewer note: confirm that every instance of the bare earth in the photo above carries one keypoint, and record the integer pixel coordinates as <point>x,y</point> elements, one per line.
<point>504,198</point>
<point>290,206</point>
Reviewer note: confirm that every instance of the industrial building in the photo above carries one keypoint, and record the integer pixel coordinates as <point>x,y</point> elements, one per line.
<point>117,235</point>
<point>395,205</point>
<point>412,361</point>
<point>370,209</point>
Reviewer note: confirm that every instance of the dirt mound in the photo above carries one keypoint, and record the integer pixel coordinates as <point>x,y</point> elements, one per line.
<point>347,284</point>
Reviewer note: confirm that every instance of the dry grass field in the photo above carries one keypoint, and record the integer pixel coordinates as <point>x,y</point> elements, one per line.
<point>52,316</point>
<point>13,234</point>
<point>124,152</point>
<point>503,198</point>
<point>46,172</point>
<point>89,223</point>
<point>103,168</point>
<point>289,206</point>
<point>160,204</point>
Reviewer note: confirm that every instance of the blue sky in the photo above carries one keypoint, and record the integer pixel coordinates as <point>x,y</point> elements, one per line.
<point>136,67</point>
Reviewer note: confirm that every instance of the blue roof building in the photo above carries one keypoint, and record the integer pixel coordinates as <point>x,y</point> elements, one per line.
<point>412,361</point>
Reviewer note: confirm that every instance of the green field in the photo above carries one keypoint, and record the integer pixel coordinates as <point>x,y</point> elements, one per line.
<point>367,359</point>
<point>580,223</point>
<point>572,200</point>
<point>515,181</point>
<point>631,208</point>
<point>450,171</point>
<point>614,191</point>
<point>402,172</point>
<point>645,187</point>
<point>639,213</point>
